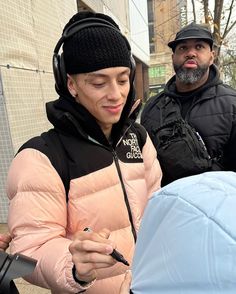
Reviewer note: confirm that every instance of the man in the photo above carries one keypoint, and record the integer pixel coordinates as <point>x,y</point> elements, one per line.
<point>194,95</point>
<point>105,160</point>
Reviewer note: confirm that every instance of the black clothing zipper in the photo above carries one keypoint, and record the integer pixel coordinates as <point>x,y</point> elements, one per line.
<point>118,171</point>
<point>125,194</point>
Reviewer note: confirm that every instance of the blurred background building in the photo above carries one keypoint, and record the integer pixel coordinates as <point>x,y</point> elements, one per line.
<point>165,18</point>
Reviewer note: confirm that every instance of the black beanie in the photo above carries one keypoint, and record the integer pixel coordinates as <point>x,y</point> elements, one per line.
<point>94,48</point>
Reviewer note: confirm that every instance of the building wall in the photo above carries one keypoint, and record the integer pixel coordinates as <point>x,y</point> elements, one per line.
<point>168,17</point>
<point>29,32</point>
<point>118,10</point>
<point>6,153</point>
<point>139,39</point>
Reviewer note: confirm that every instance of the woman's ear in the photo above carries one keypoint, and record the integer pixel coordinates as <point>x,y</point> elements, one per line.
<point>71,85</point>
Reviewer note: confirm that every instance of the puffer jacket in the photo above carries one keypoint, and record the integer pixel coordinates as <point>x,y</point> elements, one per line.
<point>210,109</point>
<point>110,184</point>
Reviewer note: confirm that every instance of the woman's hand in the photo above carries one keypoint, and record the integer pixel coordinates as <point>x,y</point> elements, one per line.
<point>5,239</point>
<point>91,251</point>
<point>125,286</point>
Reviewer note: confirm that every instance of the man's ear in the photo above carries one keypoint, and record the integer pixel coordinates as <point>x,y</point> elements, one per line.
<point>213,56</point>
<point>172,56</point>
<point>71,85</point>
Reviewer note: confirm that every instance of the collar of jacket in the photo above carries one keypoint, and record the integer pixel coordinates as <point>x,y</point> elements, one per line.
<point>72,118</point>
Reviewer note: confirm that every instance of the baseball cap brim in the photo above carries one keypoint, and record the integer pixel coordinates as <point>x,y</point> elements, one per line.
<point>174,43</point>
<point>192,31</point>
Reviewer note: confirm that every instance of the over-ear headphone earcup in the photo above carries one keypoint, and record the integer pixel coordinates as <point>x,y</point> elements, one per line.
<point>63,73</point>
<point>55,67</point>
<point>132,69</point>
<point>59,72</point>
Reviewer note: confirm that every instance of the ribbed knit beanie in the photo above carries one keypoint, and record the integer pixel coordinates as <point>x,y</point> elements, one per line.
<point>96,47</point>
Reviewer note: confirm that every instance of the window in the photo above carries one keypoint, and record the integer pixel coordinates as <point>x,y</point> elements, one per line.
<point>150,11</point>
<point>151,26</point>
<point>151,38</point>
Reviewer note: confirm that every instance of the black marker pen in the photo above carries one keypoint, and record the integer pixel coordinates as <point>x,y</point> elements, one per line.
<point>115,254</point>
<point>119,257</point>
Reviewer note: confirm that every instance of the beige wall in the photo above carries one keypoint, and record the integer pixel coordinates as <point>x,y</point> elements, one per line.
<point>29,32</point>
<point>118,9</point>
<point>27,44</point>
<point>167,23</point>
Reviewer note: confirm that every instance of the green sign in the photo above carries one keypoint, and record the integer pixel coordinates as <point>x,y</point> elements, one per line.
<point>157,71</point>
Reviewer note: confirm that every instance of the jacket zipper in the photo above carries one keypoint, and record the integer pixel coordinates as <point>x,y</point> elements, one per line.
<point>118,171</point>
<point>125,194</point>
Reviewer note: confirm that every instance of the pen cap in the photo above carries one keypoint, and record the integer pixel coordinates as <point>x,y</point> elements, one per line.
<point>87,229</point>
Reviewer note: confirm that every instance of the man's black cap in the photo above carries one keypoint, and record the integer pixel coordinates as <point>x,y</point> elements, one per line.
<point>192,31</point>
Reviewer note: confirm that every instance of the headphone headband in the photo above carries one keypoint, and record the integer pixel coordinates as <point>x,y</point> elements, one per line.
<point>58,60</point>
<point>91,21</point>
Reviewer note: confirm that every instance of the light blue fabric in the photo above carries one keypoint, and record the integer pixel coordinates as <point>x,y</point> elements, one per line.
<point>187,239</point>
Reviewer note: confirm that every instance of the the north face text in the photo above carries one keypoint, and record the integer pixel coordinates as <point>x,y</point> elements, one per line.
<point>134,150</point>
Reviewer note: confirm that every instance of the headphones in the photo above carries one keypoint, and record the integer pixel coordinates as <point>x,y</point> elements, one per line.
<point>58,63</point>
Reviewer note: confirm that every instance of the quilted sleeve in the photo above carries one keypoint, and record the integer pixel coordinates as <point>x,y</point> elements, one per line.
<point>37,220</point>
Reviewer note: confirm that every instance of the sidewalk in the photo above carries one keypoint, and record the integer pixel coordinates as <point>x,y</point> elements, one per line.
<point>22,286</point>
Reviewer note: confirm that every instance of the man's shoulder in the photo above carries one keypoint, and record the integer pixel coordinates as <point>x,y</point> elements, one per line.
<point>225,89</point>
<point>151,103</point>
<point>139,130</point>
<point>153,100</point>
<point>38,142</point>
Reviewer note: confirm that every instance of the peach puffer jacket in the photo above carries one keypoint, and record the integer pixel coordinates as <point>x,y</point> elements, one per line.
<point>109,187</point>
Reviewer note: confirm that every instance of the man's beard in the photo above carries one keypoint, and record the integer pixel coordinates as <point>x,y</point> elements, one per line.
<point>190,76</point>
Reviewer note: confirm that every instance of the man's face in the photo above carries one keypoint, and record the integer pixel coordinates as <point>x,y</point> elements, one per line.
<point>191,60</point>
<point>103,93</point>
